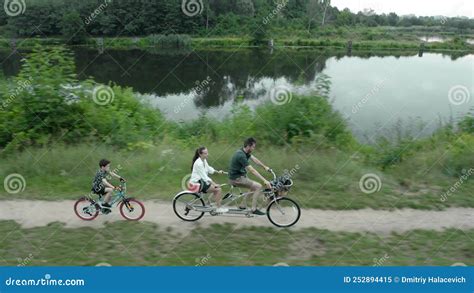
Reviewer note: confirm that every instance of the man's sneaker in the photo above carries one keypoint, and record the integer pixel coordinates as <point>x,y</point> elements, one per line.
<point>258,213</point>
<point>222,210</point>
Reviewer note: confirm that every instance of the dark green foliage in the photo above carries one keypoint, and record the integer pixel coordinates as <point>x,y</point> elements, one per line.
<point>230,17</point>
<point>72,28</point>
<point>46,103</point>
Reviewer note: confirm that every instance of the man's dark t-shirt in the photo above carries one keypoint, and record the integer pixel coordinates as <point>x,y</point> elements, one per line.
<point>238,163</point>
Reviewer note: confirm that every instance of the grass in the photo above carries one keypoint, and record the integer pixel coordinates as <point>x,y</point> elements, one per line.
<point>144,244</point>
<point>324,178</point>
<point>362,39</point>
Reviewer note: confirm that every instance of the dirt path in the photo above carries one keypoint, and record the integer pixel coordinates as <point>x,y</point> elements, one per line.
<point>31,213</point>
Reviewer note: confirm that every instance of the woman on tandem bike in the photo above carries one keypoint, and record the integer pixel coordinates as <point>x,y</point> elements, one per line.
<point>192,204</point>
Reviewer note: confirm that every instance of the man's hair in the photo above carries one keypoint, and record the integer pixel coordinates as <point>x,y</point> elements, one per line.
<point>103,163</point>
<point>249,141</point>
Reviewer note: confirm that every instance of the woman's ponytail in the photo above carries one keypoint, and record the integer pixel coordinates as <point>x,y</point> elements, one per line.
<point>196,155</point>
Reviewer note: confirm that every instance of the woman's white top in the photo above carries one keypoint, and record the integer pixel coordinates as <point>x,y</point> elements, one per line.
<point>201,170</point>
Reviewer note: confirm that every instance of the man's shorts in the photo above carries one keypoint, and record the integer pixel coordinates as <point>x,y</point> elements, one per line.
<point>243,181</point>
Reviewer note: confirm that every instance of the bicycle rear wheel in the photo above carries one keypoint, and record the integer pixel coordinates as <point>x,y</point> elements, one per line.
<point>132,209</point>
<point>183,206</point>
<point>283,212</point>
<point>86,209</point>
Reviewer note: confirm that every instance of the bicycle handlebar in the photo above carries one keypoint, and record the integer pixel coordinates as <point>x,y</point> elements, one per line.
<point>273,173</point>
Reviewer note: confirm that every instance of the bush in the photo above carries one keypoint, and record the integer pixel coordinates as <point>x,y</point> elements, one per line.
<point>46,103</point>
<point>459,158</point>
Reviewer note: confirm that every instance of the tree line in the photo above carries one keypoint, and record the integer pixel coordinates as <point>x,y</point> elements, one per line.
<point>211,18</point>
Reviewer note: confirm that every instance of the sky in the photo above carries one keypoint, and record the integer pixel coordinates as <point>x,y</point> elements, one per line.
<point>448,8</point>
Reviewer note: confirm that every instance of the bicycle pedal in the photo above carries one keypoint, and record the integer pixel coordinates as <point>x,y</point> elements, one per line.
<point>86,211</point>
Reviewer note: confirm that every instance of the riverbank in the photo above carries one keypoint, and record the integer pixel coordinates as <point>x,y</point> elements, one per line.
<point>336,43</point>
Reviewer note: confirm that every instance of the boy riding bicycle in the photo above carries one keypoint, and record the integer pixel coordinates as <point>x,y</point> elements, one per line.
<point>101,186</point>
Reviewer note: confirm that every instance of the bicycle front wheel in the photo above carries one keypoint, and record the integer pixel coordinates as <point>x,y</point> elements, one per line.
<point>132,209</point>
<point>283,212</point>
<point>184,204</point>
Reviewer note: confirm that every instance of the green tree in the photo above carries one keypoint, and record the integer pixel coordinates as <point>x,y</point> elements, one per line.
<point>72,28</point>
<point>259,33</point>
<point>344,17</point>
<point>393,19</point>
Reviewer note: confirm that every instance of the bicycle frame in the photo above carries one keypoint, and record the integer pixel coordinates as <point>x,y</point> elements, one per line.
<point>226,202</point>
<point>117,196</point>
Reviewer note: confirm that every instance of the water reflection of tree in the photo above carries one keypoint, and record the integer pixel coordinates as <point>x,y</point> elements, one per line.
<point>244,69</point>
<point>175,72</point>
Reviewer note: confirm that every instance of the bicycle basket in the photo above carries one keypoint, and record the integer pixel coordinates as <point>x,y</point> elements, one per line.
<point>282,185</point>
